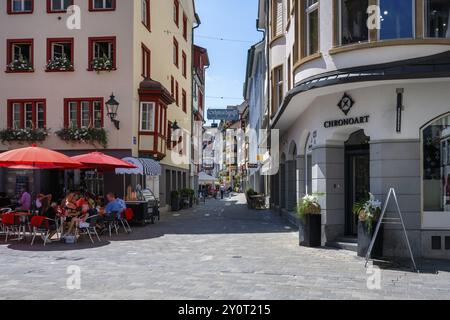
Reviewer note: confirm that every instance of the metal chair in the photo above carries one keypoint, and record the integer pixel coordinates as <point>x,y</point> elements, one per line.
<point>91,229</point>
<point>40,225</point>
<point>125,216</point>
<point>112,222</point>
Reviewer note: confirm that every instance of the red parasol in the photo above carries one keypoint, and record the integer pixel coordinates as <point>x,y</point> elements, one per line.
<point>101,161</point>
<point>37,158</point>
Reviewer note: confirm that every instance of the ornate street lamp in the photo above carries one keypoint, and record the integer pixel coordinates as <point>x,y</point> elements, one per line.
<point>176,132</point>
<point>111,107</point>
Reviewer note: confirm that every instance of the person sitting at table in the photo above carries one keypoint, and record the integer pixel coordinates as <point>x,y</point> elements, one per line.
<point>86,211</point>
<point>50,213</point>
<point>24,201</point>
<point>42,202</point>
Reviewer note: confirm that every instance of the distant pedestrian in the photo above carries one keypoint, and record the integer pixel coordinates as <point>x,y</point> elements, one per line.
<point>222,191</point>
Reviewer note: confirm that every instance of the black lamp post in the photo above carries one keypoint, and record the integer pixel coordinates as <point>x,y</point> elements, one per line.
<point>111,107</point>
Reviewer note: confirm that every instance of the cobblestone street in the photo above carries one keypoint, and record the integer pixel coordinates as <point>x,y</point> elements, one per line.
<point>220,250</point>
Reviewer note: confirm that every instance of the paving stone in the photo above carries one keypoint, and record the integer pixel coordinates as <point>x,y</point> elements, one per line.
<point>220,250</point>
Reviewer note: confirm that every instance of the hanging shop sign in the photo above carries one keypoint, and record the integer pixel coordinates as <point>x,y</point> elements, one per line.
<point>223,114</point>
<point>346,122</point>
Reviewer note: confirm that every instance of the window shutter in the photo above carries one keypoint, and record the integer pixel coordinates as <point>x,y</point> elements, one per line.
<point>279,17</point>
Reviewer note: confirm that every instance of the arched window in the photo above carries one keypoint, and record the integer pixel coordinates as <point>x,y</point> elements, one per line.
<point>436,165</point>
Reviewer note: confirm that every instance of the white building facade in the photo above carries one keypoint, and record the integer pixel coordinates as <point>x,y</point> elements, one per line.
<point>364,110</point>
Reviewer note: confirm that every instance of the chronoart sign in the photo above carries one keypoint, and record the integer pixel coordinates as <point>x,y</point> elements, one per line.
<point>346,104</point>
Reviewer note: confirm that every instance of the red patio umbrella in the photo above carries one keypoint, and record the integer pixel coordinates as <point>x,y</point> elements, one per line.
<point>101,161</point>
<point>37,158</point>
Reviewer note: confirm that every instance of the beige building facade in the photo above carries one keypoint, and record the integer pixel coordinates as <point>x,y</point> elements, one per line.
<point>57,79</point>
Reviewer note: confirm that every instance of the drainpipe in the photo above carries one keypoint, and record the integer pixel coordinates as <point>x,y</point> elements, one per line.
<point>197,18</point>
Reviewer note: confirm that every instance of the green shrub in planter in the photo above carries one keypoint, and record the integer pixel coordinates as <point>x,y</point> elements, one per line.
<point>309,211</point>
<point>175,200</point>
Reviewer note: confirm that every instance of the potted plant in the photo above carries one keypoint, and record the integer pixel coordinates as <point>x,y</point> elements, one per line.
<point>248,195</point>
<point>20,64</point>
<point>60,64</point>
<point>175,200</point>
<point>191,193</point>
<point>185,198</point>
<point>309,211</point>
<point>368,212</point>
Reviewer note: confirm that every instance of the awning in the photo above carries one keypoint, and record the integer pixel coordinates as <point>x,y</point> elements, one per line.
<point>145,167</point>
<point>203,177</point>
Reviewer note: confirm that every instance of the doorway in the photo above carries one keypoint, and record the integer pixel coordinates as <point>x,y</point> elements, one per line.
<point>357,177</point>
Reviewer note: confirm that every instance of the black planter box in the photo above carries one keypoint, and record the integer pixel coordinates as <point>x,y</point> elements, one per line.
<point>175,204</point>
<point>312,231</point>
<point>365,237</point>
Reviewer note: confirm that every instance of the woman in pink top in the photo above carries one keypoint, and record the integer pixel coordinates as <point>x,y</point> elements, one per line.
<point>25,201</point>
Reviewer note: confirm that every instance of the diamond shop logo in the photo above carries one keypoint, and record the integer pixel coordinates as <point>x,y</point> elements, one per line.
<point>346,104</point>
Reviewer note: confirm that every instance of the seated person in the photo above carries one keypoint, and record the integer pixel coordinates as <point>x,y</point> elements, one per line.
<point>80,221</point>
<point>50,213</point>
<point>114,204</point>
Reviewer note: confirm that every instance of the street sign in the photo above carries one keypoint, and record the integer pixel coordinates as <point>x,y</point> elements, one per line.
<point>223,114</point>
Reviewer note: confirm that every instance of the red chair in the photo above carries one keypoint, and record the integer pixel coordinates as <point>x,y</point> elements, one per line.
<point>9,224</point>
<point>40,225</point>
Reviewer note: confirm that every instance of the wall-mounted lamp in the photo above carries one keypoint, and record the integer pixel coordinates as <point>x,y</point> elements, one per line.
<point>176,132</point>
<point>111,107</point>
<point>400,108</point>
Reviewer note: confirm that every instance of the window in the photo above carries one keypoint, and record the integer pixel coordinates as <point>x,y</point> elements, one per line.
<point>58,6</point>
<point>102,49</point>
<point>397,19</point>
<point>185,26</point>
<point>146,61</point>
<point>60,54</point>
<point>26,114</point>
<point>277,18</point>
<point>102,5</point>
<point>20,6</point>
<point>83,113</point>
<point>147,116</point>
<point>145,13</point>
<point>277,88</point>
<point>353,21</point>
<point>176,12</point>
<point>177,98</point>
<point>184,100</point>
<point>184,64</point>
<point>20,55</point>
<point>312,26</point>
<point>172,86</point>
<point>175,52</point>
<point>437,18</point>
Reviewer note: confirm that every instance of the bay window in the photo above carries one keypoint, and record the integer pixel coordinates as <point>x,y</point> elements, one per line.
<point>147,122</point>
<point>26,114</point>
<point>83,113</point>
<point>102,5</point>
<point>397,19</point>
<point>58,6</point>
<point>20,6</point>
<point>353,21</point>
<point>312,26</point>
<point>437,18</point>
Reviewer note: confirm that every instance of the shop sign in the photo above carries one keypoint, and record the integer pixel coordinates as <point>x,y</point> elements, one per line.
<point>346,122</point>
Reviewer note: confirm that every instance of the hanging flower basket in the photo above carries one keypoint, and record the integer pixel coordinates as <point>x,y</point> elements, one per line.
<point>60,64</point>
<point>23,135</point>
<point>91,136</point>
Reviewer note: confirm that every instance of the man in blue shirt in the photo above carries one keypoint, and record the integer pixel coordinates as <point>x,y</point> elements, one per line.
<point>114,205</point>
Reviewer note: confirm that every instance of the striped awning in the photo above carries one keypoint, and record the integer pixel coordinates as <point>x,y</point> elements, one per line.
<point>146,167</point>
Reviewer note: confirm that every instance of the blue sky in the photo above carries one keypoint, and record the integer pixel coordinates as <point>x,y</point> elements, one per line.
<point>227,19</point>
